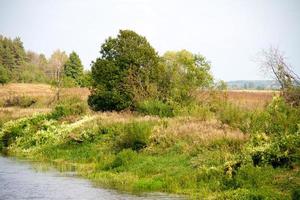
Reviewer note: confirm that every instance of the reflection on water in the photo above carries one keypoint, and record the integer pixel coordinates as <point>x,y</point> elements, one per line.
<point>19,180</point>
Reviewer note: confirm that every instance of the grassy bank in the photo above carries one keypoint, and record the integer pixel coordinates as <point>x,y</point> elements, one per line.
<point>201,159</point>
<point>211,151</point>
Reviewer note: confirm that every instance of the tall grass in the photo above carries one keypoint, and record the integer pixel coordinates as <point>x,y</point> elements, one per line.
<point>207,150</point>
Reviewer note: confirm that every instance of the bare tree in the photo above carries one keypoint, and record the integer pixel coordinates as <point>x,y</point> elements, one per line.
<point>273,61</point>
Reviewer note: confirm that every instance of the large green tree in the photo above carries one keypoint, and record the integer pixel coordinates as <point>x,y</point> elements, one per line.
<point>124,73</point>
<point>74,69</point>
<point>185,72</point>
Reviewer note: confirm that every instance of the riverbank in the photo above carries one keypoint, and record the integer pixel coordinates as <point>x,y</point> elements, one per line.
<point>213,149</point>
<point>184,155</point>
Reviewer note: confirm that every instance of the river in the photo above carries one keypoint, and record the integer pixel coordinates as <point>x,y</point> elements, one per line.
<point>19,180</point>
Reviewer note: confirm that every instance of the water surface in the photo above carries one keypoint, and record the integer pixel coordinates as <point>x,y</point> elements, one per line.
<point>20,181</point>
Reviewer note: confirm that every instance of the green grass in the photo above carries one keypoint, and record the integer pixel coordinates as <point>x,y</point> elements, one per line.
<point>132,155</point>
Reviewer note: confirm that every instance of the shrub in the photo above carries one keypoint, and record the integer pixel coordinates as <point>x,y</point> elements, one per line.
<point>21,101</point>
<point>123,158</point>
<point>12,130</point>
<point>135,136</point>
<point>277,151</point>
<point>69,106</point>
<point>276,141</point>
<point>155,107</point>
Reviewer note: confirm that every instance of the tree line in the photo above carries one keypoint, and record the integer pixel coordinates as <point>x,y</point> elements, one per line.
<point>19,65</point>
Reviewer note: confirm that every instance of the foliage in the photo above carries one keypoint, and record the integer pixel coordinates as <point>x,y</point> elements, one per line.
<point>12,53</point>
<point>135,136</point>
<point>126,155</point>
<point>155,107</point>
<point>17,65</point>
<point>73,68</point>
<point>185,73</point>
<point>68,82</point>
<point>122,74</point>
<point>28,73</point>
<point>4,76</point>
<point>87,79</point>
<point>129,74</point>
<point>69,106</point>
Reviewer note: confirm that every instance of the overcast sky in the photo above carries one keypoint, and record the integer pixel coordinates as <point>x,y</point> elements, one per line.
<point>229,33</point>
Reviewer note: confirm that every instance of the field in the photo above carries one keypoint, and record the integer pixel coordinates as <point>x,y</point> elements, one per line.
<point>18,94</point>
<point>201,153</point>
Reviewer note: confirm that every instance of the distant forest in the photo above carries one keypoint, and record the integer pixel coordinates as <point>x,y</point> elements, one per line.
<point>253,85</point>
<point>19,65</point>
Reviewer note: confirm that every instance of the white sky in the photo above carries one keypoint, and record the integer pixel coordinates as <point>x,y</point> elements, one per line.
<point>229,33</point>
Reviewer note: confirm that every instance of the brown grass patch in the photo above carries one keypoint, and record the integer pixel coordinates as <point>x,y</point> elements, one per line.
<point>251,98</point>
<point>43,93</point>
<point>12,113</point>
<point>209,130</point>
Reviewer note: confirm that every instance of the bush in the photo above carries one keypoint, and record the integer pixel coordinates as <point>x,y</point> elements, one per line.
<point>123,158</point>
<point>155,107</point>
<point>12,130</point>
<point>69,106</point>
<point>276,141</point>
<point>22,101</point>
<point>135,136</point>
<point>277,151</point>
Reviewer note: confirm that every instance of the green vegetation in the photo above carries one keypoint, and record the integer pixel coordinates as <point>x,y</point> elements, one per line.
<point>139,154</point>
<point>17,65</point>
<point>73,69</point>
<point>129,71</point>
<point>125,72</point>
<point>176,133</point>
<point>4,77</point>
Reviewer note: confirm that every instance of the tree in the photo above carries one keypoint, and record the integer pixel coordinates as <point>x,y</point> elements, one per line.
<point>56,64</point>
<point>55,71</point>
<point>185,73</point>
<point>39,60</point>
<point>273,62</point>
<point>4,76</point>
<point>124,72</point>
<point>74,69</point>
<point>7,54</point>
<point>18,51</point>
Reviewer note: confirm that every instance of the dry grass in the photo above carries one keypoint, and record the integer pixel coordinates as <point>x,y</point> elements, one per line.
<point>45,96</point>
<point>12,113</point>
<point>251,98</point>
<point>199,130</point>
<point>40,90</point>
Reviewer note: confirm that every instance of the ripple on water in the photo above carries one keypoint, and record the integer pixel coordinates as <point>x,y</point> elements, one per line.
<point>19,181</point>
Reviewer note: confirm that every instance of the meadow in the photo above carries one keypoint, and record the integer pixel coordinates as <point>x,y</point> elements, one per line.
<point>218,148</point>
